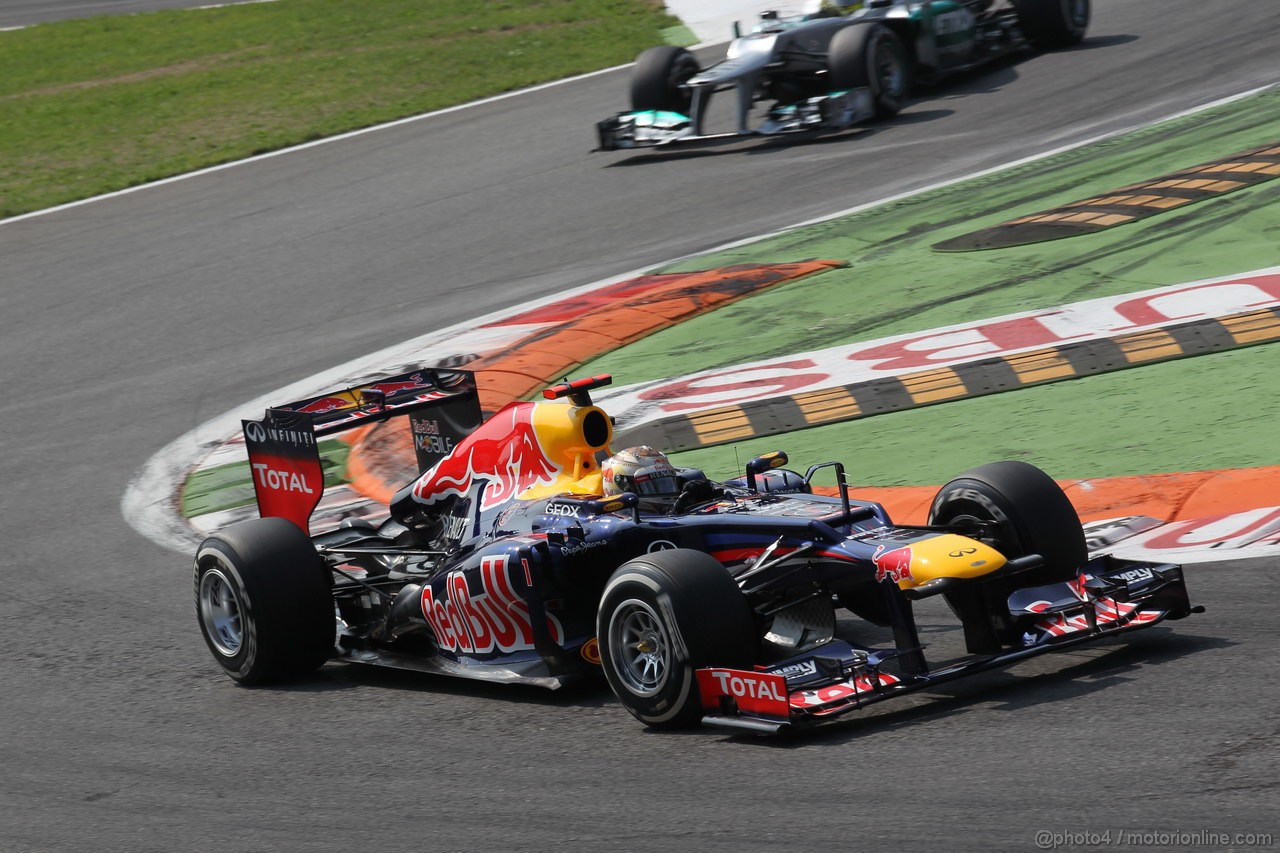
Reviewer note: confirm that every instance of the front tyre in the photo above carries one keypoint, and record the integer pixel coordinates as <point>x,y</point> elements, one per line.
<point>661,617</point>
<point>1050,24</point>
<point>1018,510</point>
<point>263,601</point>
<point>658,78</point>
<point>871,56</point>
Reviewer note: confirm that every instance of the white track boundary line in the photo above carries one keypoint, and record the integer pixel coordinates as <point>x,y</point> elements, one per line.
<point>149,503</point>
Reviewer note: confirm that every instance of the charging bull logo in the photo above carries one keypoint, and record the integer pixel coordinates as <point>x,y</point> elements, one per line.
<point>326,404</point>
<point>505,452</point>
<point>491,619</point>
<point>353,399</point>
<point>894,565</point>
<point>411,383</point>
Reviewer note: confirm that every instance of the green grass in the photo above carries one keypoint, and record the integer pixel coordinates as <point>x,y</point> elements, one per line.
<point>896,283</point>
<point>1197,414</point>
<point>95,105</point>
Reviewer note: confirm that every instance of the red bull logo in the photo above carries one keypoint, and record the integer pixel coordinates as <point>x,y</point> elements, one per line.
<point>385,390</point>
<point>413,383</point>
<point>326,404</point>
<point>894,565</point>
<point>492,618</point>
<point>504,451</point>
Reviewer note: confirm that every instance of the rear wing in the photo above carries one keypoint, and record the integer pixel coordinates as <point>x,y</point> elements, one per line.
<point>284,458</point>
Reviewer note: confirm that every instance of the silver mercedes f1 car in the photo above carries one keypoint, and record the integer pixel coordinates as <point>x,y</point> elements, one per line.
<point>839,63</point>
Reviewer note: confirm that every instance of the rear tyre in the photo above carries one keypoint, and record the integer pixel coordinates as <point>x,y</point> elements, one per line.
<point>657,77</point>
<point>1018,510</point>
<point>263,601</point>
<point>1050,24</point>
<point>661,617</point>
<point>871,56</point>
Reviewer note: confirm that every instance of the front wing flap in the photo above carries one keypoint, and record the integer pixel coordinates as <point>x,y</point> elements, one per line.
<point>1108,597</point>
<point>655,128</point>
<point>645,129</point>
<point>831,679</point>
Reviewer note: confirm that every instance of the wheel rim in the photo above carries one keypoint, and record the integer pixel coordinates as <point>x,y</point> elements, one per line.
<point>891,72</point>
<point>985,528</point>
<point>1078,13</point>
<point>682,72</point>
<point>220,610</point>
<point>639,647</point>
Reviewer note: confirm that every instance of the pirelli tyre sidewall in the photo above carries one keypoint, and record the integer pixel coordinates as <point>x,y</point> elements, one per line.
<point>1018,509</point>
<point>661,617</point>
<point>657,78</point>
<point>1028,511</point>
<point>871,56</point>
<point>1052,24</point>
<point>263,601</point>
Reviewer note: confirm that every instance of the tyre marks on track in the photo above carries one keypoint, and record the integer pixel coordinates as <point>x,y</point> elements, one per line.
<point>1127,204</point>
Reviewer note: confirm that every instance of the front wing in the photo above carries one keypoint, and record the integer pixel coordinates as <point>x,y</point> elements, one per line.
<point>655,128</point>
<point>1109,597</point>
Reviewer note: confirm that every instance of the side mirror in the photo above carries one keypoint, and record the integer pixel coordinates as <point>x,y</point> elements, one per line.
<point>616,503</point>
<point>760,464</point>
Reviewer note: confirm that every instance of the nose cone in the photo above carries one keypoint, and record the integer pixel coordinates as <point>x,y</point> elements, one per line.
<point>945,556</point>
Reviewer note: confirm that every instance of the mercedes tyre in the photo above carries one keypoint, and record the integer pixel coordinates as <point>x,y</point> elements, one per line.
<point>658,79</point>
<point>1050,24</point>
<point>871,56</point>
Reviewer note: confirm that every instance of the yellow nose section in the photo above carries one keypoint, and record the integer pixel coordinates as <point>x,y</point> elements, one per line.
<point>945,556</point>
<point>569,438</point>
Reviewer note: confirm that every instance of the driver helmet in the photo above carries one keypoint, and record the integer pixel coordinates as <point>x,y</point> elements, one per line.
<point>830,8</point>
<point>641,470</point>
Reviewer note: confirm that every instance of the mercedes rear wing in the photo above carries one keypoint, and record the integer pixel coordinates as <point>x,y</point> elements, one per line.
<point>442,407</point>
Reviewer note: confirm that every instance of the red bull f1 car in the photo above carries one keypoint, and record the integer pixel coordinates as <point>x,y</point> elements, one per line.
<point>514,557</point>
<point>840,63</point>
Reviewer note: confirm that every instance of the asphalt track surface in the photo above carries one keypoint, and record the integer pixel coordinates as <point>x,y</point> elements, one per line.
<point>130,320</point>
